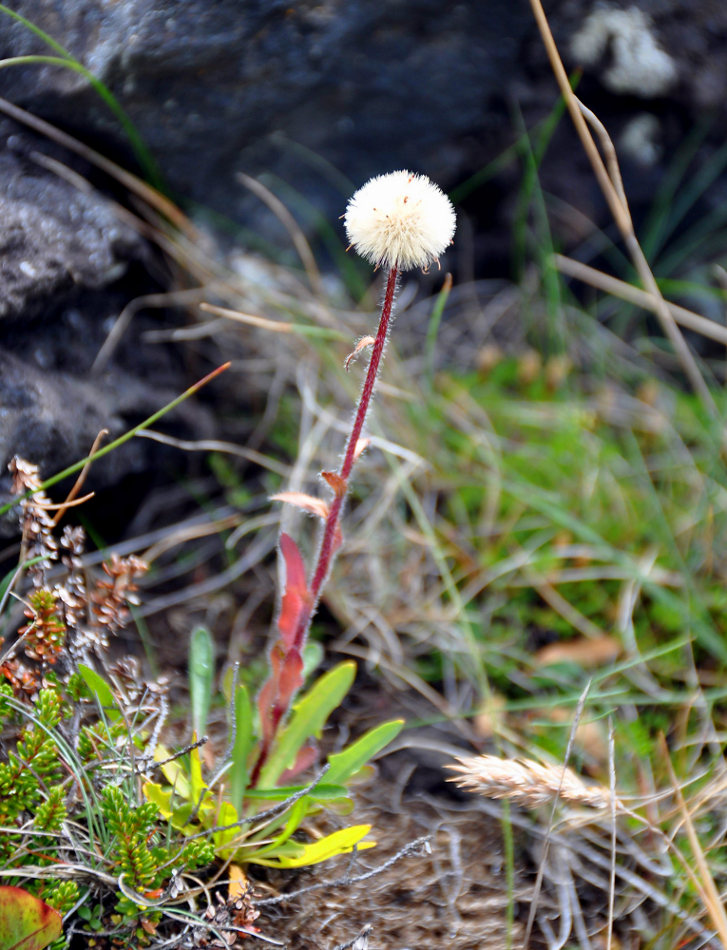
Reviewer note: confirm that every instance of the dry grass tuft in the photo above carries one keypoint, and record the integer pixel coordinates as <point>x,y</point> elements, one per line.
<point>528,783</point>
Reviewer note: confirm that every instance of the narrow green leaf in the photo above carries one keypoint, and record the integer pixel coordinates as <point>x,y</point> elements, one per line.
<point>26,922</point>
<point>325,792</point>
<point>101,691</point>
<point>295,816</point>
<point>201,675</point>
<point>340,842</point>
<point>345,764</point>
<point>196,781</point>
<point>241,747</point>
<point>310,713</point>
<point>112,446</point>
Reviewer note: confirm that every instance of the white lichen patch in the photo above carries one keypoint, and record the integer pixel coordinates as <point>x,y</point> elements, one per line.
<point>640,139</point>
<point>638,65</point>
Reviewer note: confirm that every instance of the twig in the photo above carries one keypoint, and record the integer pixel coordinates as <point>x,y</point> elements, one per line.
<point>417,844</point>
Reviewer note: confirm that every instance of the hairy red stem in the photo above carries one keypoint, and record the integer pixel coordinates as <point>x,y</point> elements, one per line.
<point>325,552</point>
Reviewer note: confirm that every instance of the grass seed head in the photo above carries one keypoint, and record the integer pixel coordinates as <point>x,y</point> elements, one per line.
<point>400,220</point>
<point>526,782</point>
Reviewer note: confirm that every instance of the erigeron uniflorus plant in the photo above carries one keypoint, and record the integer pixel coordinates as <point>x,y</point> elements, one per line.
<point>398,221</point>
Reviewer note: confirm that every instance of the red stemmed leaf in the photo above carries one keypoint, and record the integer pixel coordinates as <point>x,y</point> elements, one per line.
<point>316,506</point>
<point>290,680</point>
<point>26,922</point>
<point>296,595</point>
<point>306,757</point>
<point>267,697</point>
<point>338,484</point>
<point>286,678</point>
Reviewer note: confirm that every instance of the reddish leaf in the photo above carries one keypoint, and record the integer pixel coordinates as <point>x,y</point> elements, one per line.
<point>286,678</point>
<point>338,484</point>
<point>306,757</point>
<point>361,345</point>
<point>291,678</point>
<point>316,506</point>
<point>26,923</point>
<point>296,594</point>
<point>267,698</point>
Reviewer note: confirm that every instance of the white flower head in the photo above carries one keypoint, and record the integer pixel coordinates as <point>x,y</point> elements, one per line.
<point>400,220</point>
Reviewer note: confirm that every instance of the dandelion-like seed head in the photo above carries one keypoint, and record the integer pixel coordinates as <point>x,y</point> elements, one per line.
<point>400,220</point>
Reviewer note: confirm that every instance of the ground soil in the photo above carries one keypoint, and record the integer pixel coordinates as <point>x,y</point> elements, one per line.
<point>449,890</point>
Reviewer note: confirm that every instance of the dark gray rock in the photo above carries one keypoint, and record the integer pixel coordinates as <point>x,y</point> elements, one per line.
<point>55,241</point>
<point>317,95</point>
<point>314,96</point>
<point>68,265</point>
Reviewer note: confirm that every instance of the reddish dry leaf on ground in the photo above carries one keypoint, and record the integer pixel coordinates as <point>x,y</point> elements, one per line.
<point>26,922</point>
<point>588,652</point>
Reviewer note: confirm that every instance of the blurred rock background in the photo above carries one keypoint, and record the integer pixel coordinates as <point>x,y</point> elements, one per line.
<point>312,98</point>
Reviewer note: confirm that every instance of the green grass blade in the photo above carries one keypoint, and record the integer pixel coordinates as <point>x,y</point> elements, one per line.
<point>435,320</point>
<point>77,466</point>
<point>344,765</point>
<point>201,675</point>
<point>241,747</point>
<point>323,792</point>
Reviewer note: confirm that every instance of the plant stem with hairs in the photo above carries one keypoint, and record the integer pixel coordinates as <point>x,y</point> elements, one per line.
<point>327,549</point>
<point>397,221</point>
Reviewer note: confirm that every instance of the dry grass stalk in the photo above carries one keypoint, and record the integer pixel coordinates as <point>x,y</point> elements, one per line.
<point>528,783</point>
<point>609,179</point>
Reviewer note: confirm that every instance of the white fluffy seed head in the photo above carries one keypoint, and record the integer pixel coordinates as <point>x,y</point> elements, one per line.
<point>400,220</point>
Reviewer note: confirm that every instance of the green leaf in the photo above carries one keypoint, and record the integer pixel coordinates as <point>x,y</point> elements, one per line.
<point>309,716</point>
<point>295,816</point>
<point>345,764</point>
<point>101,691</point>
<point>340,842</point>
<point>201,675</point>
<point>196,782</point>
<point>325,792</point>
<point>241,747</point>
<point>143,155</point>
<point>224,841</point>
<point>159,796</point>
<point>173,772</point>
<point>26,923</point>
<point>172,808</point>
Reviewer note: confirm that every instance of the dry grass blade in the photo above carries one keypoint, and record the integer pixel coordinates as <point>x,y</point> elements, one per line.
<point>613,193</point>
<point>217,445</point>
<point>276,326</point>
<point>528,783</point>
<point>705,882</point>
<point>619,288</point>
<point>135,185</point>
<point>291,226</point>
<point>177,298</point>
